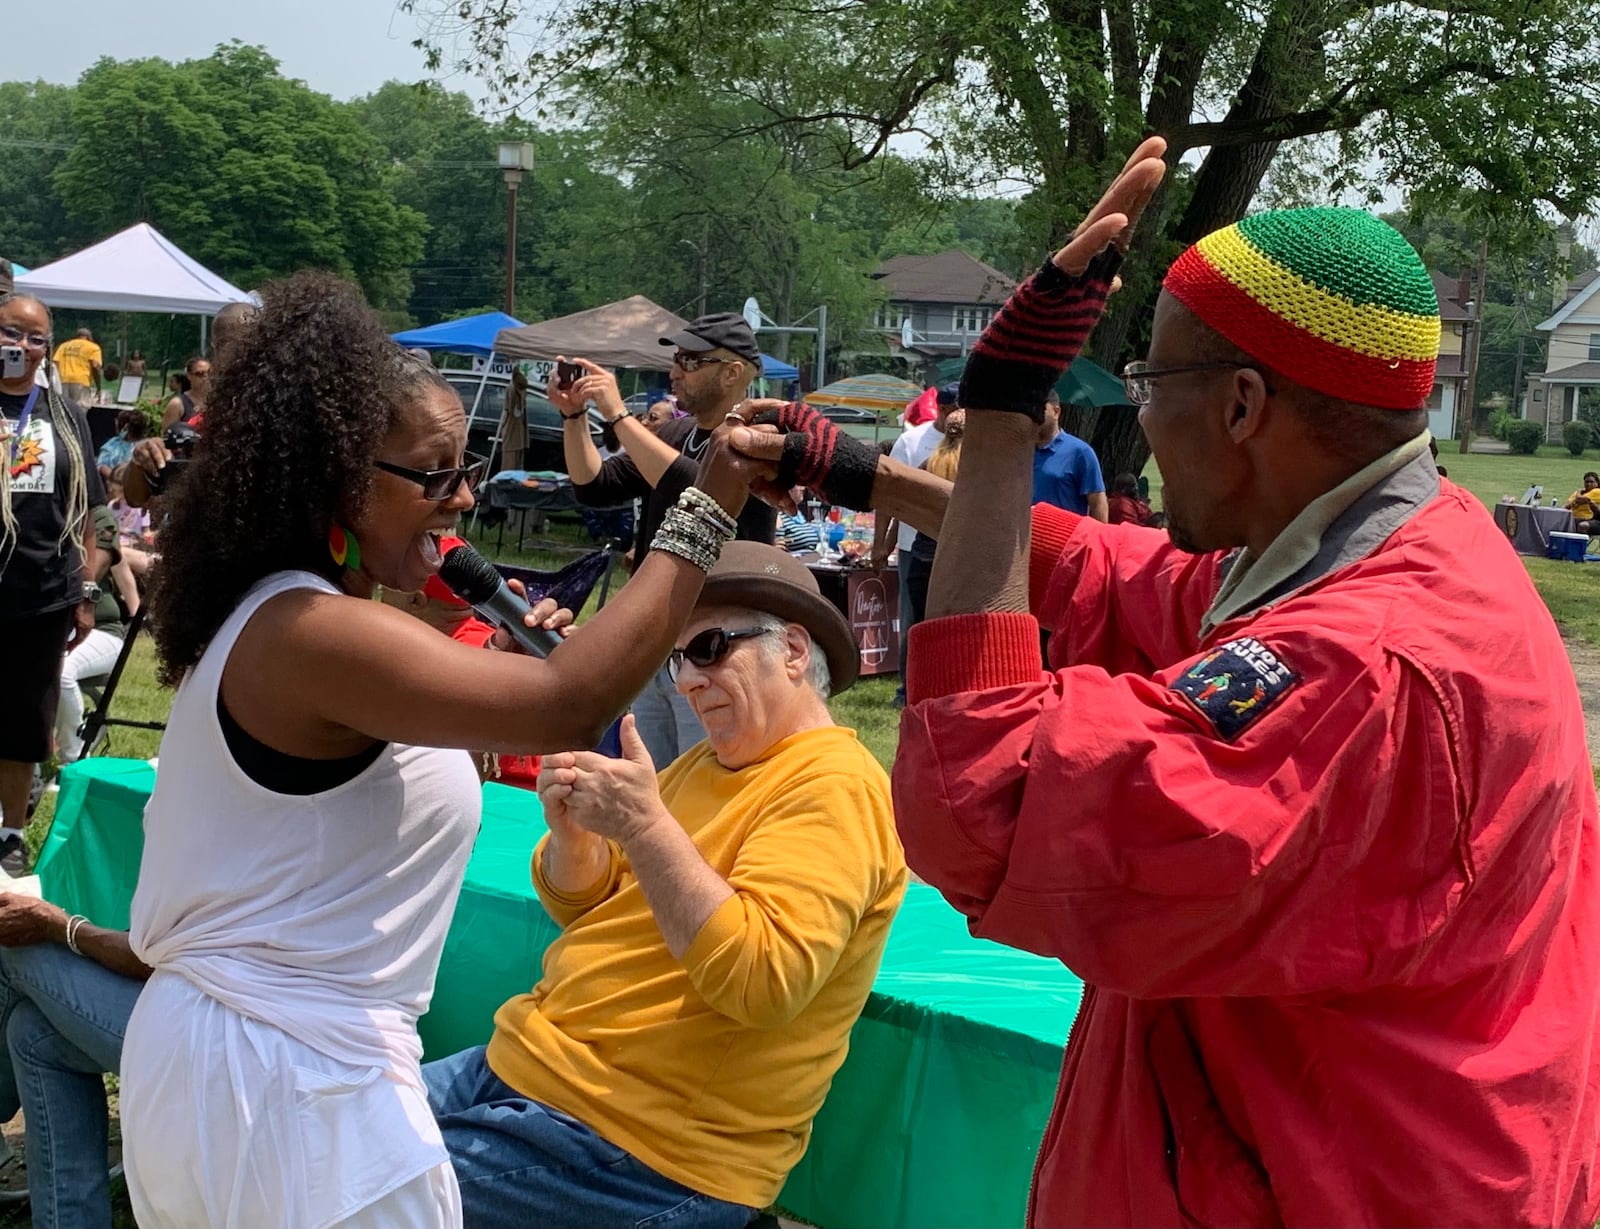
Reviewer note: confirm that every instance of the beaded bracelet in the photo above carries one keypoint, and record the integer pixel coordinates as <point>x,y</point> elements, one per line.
<point>696,500</point>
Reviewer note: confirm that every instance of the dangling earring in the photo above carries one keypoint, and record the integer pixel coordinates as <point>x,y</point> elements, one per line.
<point>344,548</point>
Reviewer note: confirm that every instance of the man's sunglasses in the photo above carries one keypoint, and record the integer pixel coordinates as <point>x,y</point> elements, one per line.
<point>439,485</point>
<point>710,647</point>
<point>693,362</point>
<point>34,341</point>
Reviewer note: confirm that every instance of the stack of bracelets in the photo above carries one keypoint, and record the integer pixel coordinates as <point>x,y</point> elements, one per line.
<point>695,528</point>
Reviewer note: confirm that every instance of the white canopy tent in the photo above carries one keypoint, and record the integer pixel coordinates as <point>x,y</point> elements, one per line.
<point>136,270</point>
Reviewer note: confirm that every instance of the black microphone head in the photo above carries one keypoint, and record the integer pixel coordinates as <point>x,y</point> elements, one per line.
<point>470,576</point>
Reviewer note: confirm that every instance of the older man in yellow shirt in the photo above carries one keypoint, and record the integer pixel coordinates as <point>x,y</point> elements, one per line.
<point>723,925</point>
<point>78,364</point>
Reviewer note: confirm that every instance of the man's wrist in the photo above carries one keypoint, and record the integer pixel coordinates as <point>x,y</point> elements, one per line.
<point>647,825</point>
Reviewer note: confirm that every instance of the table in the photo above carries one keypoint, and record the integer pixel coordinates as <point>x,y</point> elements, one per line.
<point>932,1121</point>
<point>1529,527</point>
<point>870,599</point>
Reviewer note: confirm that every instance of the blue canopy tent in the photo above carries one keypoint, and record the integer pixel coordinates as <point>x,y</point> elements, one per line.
<point>468,335</point>
<point>777,370</point>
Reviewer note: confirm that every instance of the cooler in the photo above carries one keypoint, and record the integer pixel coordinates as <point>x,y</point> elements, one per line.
<point>1568,546</point>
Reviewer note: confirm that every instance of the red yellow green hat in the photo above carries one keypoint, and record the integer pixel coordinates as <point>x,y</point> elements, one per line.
<point>1333,299</point>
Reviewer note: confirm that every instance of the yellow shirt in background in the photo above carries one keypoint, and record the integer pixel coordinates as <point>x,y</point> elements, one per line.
<point>710,1071</point>
<point>1585,505</point>
<point>73,359</point>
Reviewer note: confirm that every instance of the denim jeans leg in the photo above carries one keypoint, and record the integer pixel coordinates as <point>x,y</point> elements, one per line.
<point>64,1103</point>
<point>10,1098</point>
<point>657,722</point>
<point>64,1033</point>
<point>690,731</point>
<point>906,620</point>
<point>519,1162</point>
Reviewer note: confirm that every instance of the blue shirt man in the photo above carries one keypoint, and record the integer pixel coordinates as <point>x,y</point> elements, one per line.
<point>1066,473</point>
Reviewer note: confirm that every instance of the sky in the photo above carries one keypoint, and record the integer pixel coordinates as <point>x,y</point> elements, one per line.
<point>345,48</point>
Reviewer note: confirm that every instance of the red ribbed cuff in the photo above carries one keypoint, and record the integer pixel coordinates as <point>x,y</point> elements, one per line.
<point>972,652</point>
<point>1053,528</point>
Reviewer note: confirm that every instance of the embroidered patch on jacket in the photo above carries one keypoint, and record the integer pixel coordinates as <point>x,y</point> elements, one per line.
<point>1234,685</point>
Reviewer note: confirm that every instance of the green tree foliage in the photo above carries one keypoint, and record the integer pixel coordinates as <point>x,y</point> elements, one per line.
<point>1529,264</point>
<point>256,175</point>
<point>35,132</point>
<point>1488,96</point>
<point>253,174</point>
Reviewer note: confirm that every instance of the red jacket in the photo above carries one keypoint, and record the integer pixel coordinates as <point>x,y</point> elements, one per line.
<point>1340,941</point>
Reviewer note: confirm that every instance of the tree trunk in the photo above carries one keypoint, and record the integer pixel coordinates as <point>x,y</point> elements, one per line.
<point>1287,64</point>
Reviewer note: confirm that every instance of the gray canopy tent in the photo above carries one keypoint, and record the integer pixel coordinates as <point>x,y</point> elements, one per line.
<point>623,334</point>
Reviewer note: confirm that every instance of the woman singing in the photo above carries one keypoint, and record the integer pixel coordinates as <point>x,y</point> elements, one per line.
<point>316,804</point>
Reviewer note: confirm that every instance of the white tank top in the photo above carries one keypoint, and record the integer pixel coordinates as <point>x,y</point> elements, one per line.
<point>323,915</point>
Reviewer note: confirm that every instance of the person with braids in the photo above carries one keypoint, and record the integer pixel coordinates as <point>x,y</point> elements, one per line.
<point>1323,849</point>
<point>317,802</point>
<point>48,487</point>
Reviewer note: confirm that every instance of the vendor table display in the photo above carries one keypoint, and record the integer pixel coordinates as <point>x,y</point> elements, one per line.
<point>1529,526</point>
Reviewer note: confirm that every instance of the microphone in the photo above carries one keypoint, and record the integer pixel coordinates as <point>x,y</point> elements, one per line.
<point>475,581</point>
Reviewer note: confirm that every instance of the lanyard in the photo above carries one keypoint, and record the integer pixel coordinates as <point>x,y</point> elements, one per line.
<point>22,421</point>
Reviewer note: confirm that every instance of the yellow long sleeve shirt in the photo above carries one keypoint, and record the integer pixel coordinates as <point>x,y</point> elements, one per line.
<point>710,1070</point>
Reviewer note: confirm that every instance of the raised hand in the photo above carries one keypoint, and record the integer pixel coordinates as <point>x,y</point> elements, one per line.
<point>1044,324</point>
<point>807,450</point>
<point>724,475</point>
<point>614,797</point>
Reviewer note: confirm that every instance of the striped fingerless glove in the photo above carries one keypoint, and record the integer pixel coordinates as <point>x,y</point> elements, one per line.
<point>818,455</point>
<point>1035,337</point>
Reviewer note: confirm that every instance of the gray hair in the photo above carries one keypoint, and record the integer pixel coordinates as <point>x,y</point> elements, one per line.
<point>817,673</point>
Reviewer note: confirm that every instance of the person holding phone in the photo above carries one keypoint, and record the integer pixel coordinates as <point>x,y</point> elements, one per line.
<point>714,360</point>
<point>48,489</point>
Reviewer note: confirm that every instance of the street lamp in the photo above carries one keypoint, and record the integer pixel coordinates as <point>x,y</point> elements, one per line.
<point>515,158</point>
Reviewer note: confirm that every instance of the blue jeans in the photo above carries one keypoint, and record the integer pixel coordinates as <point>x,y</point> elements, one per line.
<point>667,721</point>
<point>64,1018</point>
<point>907,621</point>
<point>522,1163</point>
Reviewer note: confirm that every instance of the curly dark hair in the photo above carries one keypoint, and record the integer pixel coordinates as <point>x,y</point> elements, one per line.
<point>296,416</point>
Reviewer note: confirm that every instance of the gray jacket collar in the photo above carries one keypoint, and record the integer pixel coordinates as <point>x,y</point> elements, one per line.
<point>1346,524</point>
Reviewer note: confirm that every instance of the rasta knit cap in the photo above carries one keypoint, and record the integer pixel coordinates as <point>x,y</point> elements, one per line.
<point>1333,299</point>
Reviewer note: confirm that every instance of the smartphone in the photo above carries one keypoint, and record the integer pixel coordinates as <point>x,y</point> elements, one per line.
<point>568,374</point>
<point>11,365</point>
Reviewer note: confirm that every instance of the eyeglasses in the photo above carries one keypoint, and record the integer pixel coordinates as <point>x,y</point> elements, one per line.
<point>693,362</point>
<point>14,335</point>
<point>1137,377</point>
<point>710,647</point>
<point>439,485</point>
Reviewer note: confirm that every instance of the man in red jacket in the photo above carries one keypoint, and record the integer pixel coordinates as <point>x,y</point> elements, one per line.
<point>1306,800</point>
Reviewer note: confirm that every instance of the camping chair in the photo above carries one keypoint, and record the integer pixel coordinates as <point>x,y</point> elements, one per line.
<point>102,688</point>
<point>573,584</point>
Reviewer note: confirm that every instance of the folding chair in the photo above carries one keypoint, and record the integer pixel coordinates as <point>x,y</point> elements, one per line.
<point>102,688</point>
<point>573,584</point>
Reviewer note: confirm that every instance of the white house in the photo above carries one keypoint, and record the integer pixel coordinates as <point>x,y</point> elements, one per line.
<point>1573,360</point>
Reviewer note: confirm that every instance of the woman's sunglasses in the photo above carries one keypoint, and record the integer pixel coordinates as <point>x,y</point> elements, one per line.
<point>34,341</point>
<point>439,485</point>
<point>710,647</point>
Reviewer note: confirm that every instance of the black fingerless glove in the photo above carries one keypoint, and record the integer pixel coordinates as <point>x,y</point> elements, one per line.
<point>817,454</point>
<point>1035,337</point>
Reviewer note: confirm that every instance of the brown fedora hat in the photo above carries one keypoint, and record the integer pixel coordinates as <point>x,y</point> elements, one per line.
<point>764,578</point>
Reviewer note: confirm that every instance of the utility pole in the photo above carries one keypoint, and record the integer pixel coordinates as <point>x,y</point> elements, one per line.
<point>705,252</point>
<point>1474,342</point>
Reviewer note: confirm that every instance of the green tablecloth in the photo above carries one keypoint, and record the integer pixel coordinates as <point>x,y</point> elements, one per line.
<point>932,1121</point>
